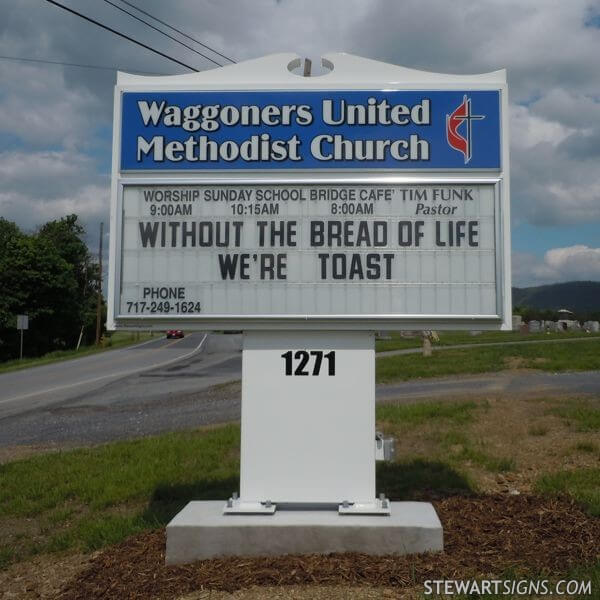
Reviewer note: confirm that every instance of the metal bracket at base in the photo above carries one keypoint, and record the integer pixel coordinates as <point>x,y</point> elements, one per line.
<point>381,506</point>
<point>235,506</point>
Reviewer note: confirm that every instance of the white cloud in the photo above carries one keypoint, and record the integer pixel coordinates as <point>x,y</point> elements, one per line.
<point>42,186</point>
<point>558,264</point>
<point>543,45</point>
<point>529,130</point>
<point>577,262</point>
<point>555,177</point>
<point>90,202</point>
<point>37,107</point>
<point>568,107</point>
<point>46,174</point>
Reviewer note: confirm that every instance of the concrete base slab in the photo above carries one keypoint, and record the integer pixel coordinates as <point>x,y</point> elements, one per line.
<point>201,531</point>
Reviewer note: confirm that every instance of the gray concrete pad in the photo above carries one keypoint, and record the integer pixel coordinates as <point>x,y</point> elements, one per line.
<point>201,531</point>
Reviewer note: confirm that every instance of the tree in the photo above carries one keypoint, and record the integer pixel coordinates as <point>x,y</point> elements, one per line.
<point>50,276</point>
<point>66,235</point>
<point>10,237</point>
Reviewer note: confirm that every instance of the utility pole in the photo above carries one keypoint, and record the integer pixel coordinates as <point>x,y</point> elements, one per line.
<point>99,306</point>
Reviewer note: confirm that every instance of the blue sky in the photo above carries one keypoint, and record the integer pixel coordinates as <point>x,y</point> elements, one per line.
<point>538,239</point>
<point>55,121</point>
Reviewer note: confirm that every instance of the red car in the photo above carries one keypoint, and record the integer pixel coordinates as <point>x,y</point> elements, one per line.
<point>174,333</point>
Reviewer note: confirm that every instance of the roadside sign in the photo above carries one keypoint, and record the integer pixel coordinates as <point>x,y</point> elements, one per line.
<point>371,202</point>
<point>292,208</point>
<point>22,325</point>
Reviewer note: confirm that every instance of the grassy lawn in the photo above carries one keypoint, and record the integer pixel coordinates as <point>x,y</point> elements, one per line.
<point>417,414</point>
<point>118,339</point>
<point>579,415</point>
<point>397,342</point>
<point>450,338</point>
<point>582,414</point>
<point>583,484</point>
<point>84,499</point>
<point>447,424</point>
<point>498,445</point>
<point>87,498</point>
<point>585,355</point>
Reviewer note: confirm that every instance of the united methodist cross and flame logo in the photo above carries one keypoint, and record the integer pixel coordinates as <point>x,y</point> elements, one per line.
<point>460,138</point>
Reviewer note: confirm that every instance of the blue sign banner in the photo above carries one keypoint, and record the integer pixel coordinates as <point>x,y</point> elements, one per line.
<point>190,131</point>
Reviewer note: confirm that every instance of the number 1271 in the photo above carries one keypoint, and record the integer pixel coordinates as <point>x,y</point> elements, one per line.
<point>302,358</point>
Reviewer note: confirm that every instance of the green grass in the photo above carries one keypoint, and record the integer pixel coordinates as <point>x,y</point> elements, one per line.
<point>581,484</point>
<point>583,414</point>
<point>105,476</point>
<point>459,448</point>
<point>93,533</point>
<point>586,573</point>
<point>417,478</point>
<point>118,339</point>
<point>7,556</point>
<point>450,338</point>
<point>88,498</point>
<point>416,414</point>
<point>450,421</point>
<point>538,430</point>
<point>547,357</point>
<point>589,447</point>
<point>397,342</point>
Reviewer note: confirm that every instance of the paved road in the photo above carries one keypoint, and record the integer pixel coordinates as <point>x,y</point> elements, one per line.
<point>45,385</point>
<point>168,390</point>
<point>182,394</point>
<point>503,382</point>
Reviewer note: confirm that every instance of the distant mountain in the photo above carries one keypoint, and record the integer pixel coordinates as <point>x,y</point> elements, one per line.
<point>577,296</point>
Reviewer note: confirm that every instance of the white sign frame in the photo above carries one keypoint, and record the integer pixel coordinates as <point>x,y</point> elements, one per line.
<point>365,322</point>
<point>349,73</point>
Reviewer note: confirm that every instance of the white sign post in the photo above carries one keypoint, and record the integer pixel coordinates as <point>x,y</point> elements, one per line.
<point>310,212</point>
<point>22,324</point>
<point>308,421</point>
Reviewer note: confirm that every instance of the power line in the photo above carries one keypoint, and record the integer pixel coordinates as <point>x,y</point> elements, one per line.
<point>189,37</point>
<point>89,19</point>
<point>82,66</point>
<point>162,32</point>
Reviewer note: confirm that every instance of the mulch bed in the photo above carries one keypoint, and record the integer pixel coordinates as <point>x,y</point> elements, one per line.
<point>483,536</point>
